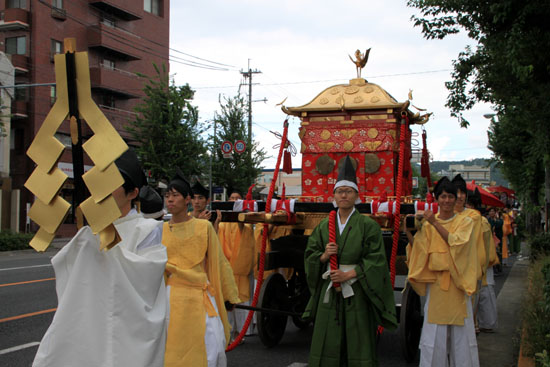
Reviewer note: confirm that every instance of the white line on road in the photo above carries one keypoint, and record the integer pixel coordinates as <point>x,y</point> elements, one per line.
<point>296,364</point>
<point>19,347</point>
<point>27,267</point>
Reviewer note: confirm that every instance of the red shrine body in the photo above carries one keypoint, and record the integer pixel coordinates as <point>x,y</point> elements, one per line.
<point>362,120</point>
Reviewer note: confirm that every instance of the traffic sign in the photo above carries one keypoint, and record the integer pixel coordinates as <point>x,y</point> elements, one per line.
<point>227,147</point>
<point>240,146</point>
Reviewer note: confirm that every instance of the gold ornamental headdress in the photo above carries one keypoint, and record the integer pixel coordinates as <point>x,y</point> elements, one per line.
<point>74,100</point>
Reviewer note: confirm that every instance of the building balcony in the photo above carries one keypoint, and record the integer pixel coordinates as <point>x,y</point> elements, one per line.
<point>113,40</point>
<point>119,119</point>
<point>59,14</point>
<point>19,110</point>
<point>14,19</point>
<point>122,83</point>
<point>20,63</point>
<point>123,9</point>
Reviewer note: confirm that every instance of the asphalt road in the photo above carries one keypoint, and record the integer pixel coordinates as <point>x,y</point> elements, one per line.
<point>28,297</point>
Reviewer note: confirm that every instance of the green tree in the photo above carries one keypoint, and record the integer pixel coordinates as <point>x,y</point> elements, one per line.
<point>167,129</point>
<point>241,170</point>
<point>508,67</point>
<point>523,166</point>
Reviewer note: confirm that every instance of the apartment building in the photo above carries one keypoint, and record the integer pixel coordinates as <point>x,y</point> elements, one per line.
<point>122,38</point>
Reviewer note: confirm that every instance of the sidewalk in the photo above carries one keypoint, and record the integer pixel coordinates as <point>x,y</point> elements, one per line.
<point>58,243</point>
<point>502,347</point>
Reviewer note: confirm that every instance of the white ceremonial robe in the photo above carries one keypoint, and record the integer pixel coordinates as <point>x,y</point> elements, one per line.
<point>487,314</point>
<point>111,304</point>
<point>448,345</point>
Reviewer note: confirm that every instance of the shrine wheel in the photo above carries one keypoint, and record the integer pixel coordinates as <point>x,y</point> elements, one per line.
<point>410,323</point>
<point>273,296</point>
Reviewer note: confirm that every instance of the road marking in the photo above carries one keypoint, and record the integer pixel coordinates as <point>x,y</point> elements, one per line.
<point>19,347</point>
<point>26,267</point>
<point>27,315</point>
<point>296,364</point>
<point>27,282</point>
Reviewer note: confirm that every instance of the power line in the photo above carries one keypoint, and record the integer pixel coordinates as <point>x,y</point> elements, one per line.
<point>116,37</point>
<point>330,80</point>
<point>156,42</point>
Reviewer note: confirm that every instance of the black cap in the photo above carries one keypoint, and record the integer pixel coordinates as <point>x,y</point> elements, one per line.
<point>460,184</point>
<point>150,200</point>
<point>128,164</point>
<point>347,175</point>
<point>180,183</point>
<point>444,184</point>
<point>474,198</point>
<point>199,189</point>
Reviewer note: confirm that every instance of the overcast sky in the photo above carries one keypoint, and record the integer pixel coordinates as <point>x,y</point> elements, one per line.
<point>301,48</point>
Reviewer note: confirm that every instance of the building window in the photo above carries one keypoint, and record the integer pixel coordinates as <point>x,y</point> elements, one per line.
<point>58,4</point>
<point>108,63</point>
<point>53,95</point>
<point>18,141</point>
<point>57,48</point>
<point>16,45</point>
<point>21,94</point>
<point>108,100</point>
<point>152,6</point>
<point>16,4</point>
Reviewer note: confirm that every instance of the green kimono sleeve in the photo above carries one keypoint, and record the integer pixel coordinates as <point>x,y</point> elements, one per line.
<point>373,275</point>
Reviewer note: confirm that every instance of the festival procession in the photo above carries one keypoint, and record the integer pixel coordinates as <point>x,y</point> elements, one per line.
<point>137,232</point>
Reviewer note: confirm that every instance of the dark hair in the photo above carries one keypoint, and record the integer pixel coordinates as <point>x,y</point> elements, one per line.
<point>235,191</point>
<point>474,198</point>
<point>129,187</point>
<point>444,185</point>
<point>175,185</point>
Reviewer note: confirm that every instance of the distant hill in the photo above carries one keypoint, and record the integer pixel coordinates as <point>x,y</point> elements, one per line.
<point>496,175</point>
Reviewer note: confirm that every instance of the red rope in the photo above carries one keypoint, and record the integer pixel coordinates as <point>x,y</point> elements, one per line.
<point>264,242</point>
<point>398,194</point>
<point>425,160</point>
<point>332,238</point>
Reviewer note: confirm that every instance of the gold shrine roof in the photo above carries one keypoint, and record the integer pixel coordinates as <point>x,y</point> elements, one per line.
<point>357,95</point>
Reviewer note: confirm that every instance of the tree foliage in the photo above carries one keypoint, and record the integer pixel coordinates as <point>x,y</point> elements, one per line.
<point>167,129</point>
<point>509,67</point>
<point>241,170</point>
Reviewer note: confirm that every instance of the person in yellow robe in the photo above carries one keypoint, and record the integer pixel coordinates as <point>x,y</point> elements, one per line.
<point>506,231</point>
<point>461,208</point>
<point>237,240</point>
<point>443,266</point>
<point>486,305</point>
<point>201,282</point>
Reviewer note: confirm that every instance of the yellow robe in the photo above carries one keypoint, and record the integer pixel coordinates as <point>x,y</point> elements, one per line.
<point>490,247</point>
<point>237,241</point>
<point>196,266</point>
<point>506,231</point>
<point>477,237</point>
<point>451,269</point>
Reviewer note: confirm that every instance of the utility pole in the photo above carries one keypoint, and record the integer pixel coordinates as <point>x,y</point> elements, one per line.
<point>248,76</point>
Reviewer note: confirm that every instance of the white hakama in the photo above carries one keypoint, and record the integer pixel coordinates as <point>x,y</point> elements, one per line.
<point>487,314</point>
<point>448,345</point>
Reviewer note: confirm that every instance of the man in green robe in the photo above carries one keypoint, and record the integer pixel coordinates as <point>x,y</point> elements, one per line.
<point>346,321</point>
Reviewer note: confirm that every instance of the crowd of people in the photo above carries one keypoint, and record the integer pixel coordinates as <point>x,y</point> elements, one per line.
<point>165,295</point>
